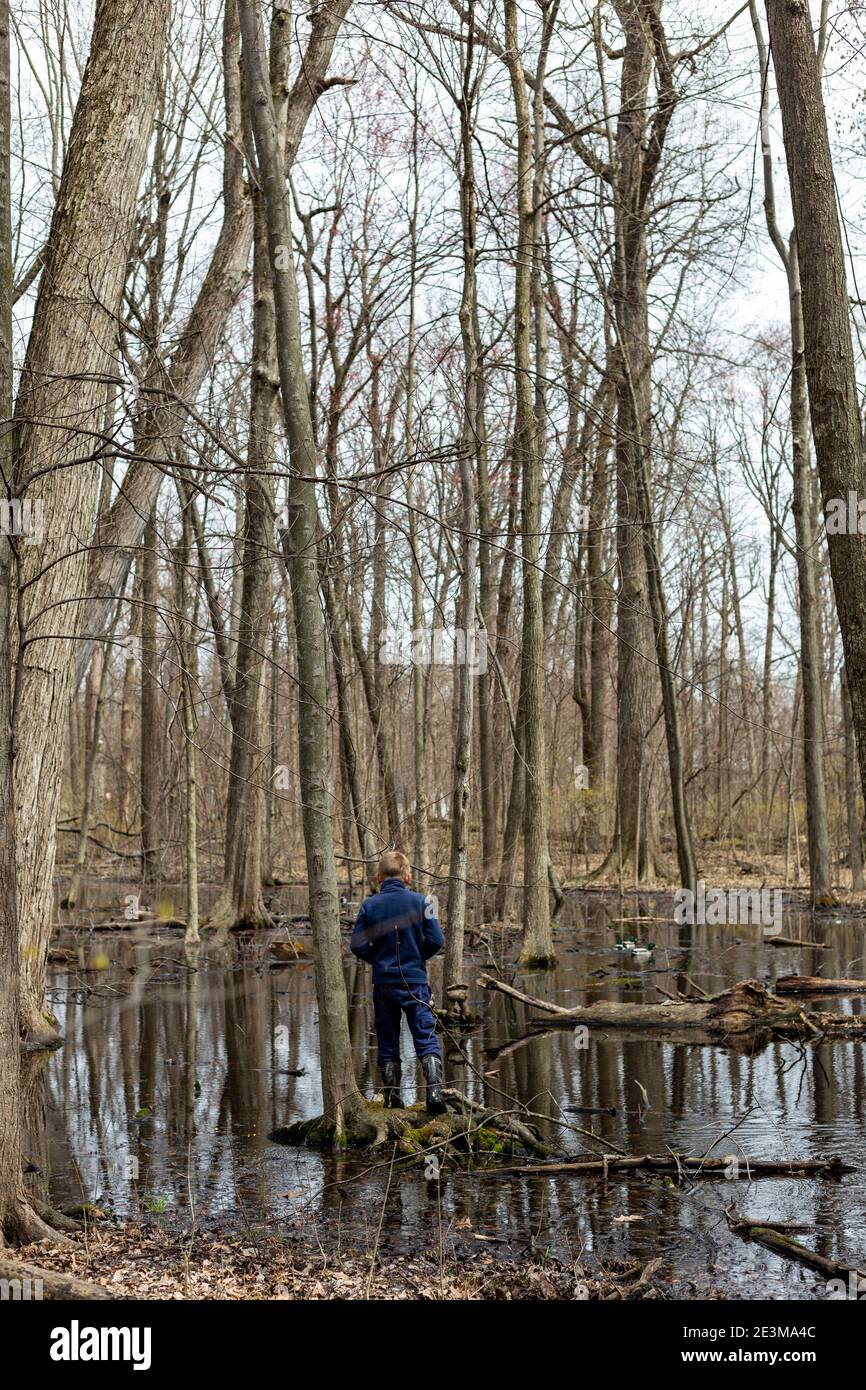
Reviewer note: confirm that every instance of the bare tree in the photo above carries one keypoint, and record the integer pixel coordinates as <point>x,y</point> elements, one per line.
<point>341,1098</point>
<point>833,402</point>
<point>70,350</point>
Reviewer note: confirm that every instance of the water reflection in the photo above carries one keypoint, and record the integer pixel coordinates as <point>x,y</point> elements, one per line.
<point>175,1070</point>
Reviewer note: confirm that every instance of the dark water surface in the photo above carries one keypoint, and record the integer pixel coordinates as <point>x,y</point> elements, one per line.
<point>160,1104</point>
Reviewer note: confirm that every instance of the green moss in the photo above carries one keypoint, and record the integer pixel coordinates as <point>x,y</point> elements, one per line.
<point>413,1131</point>
<point>489,1141</point>
<point>537,962</point>
<point>80,1211</point>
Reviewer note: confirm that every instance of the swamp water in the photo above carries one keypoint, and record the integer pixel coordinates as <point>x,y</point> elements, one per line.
<point>160,1103</point>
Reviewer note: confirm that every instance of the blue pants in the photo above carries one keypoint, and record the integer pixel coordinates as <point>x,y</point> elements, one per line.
<point>389,1003</point>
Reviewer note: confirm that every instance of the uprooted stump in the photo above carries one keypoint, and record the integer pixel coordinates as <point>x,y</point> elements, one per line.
<point>466,1130</point>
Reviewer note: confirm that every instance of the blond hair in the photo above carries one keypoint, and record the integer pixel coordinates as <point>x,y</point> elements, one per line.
<point>393,864</point>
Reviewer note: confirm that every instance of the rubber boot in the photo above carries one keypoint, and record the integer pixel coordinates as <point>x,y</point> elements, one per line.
<point>432,1069</point>
<point>391,1074</point>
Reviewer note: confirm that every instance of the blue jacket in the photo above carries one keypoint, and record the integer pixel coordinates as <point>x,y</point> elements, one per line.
<point>395,934</point>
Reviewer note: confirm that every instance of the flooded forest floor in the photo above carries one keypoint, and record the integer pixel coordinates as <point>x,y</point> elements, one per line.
<point>152,1122</point>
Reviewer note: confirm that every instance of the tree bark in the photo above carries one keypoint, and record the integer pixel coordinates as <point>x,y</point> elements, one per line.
<point>72,346</point>
<point>853,800</point>
<point>226,277</point>
<point>150,733</point>
<point>341,1098</point>
<point>241,903</point>
<point>637,148</point>
<point>19,1223</point>
<point>471,441</point>
<point>810,654</point>
<point>537,947</point>
<point>828,352</point>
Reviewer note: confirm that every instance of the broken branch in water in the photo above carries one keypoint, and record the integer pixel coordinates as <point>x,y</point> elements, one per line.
<point>772,1238</point>
<point>793,941</point>
<point>488,982</point>
<point>814,984</point>
<point>692,1167</point>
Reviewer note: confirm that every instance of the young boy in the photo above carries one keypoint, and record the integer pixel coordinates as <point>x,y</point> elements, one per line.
<point>397,933</point>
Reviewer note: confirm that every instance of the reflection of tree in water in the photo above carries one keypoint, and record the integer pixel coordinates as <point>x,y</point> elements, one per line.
<point>209,1052</point>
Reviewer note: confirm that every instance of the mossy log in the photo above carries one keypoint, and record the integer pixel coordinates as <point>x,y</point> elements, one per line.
<point>764,1233</point>
<point>466,1130</point>
<point>747,1009</point>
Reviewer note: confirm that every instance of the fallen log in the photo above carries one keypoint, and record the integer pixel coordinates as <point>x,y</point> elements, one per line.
<point>46,1283</point>
<point>746,1010</point>
<point>679,1164</point>
<point>122,924</point>
<point>816,984</point>
<point>488,982</point>
<point>794,941</point>
<point>789,1249</point>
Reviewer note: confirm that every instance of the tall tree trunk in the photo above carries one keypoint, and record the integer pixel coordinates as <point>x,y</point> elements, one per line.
<point>90,772</point>
<point>817,834</point>
<point>638,146</point>
<point>537,948</point>
<point>517,785</point>
<point>336,625</point>
<point>72,346</point>
<point>820,876</point>
<point>11,1182</point>
<point>127,729</point>
<point>188,680</point>
<point>226,278</point>
<point>151,734</point>
<point>601,607</point>
<point>341,1097</point>
<point>421,813</point>
<point>834,406</point>
<point>470,444</point>
<point>853,800</point>
<point>371,687</point>
<point>241,903</point>
<point>18,1222</point>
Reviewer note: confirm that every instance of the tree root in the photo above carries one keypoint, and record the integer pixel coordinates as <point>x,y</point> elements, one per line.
<point>58,1220</point>
<point>531,962</point>
<point>224,917</point>
<point>41,1035</point>
<point>467,1130</point>
<point>652,869</point>
<point>30,1220</point>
